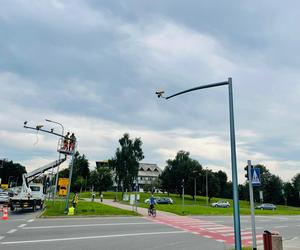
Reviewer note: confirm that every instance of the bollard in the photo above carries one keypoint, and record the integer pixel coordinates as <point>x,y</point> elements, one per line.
<point>5,213</point>
<point>267,240</point>
<point>71,211</point>
<point>272,241</point>
<point>276,241</point>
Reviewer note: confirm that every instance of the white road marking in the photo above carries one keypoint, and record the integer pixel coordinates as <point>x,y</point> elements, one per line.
<point>22,225</point>
<point>232,234</point>
<point>31,220</point>
<point>15,220</point>
<point>214,228</point>
<point>91,237</point>
<point>12,231</point>
<point>93,218</point>
<point>91,225</point>
<point>250,228</point>
<point>224,230</point>
<point>1,237</point>
<point>280,226</point>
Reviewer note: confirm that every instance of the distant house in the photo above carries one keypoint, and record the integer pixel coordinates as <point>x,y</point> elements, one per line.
<point>148,172</point>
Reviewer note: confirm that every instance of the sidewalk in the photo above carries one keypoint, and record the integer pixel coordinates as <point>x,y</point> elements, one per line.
<point>140,210</point>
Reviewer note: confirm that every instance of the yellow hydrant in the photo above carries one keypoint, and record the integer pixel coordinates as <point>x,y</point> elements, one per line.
<point>71,211</point>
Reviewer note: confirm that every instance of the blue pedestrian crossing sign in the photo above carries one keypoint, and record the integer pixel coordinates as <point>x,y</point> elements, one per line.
<point>255,173</point>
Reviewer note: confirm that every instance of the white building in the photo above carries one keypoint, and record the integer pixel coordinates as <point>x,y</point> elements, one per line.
<point>147,175</point>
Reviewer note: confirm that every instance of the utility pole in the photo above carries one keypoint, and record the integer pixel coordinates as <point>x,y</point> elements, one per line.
<point>206,187</point>
<point>183,193</point>
<point>195,188</point>
<point>252,206</point>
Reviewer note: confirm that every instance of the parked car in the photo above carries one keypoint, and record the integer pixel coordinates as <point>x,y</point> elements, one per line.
<point>221,203</point>
<point>164,200</point>
<point>266,206</point>
<point>4,197</point>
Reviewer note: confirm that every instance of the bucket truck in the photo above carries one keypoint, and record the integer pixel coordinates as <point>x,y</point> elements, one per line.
<point>31,195</point>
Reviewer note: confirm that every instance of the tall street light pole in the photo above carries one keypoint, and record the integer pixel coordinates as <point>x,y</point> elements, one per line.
<point>236,209</point>
<point>206,185</point>
<point>62,134</point>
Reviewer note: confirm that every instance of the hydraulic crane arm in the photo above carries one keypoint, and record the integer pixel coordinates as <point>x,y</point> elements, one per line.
<point>35,173</point>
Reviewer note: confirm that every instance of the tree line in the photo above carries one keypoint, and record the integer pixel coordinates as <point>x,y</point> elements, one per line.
<point>182,171</point>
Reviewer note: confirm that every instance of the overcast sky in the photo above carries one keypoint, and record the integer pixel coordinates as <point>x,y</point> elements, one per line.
<point>94,66</point>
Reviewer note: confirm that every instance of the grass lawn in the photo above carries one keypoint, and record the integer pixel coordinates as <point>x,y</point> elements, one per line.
<point>200,207</point>
<point>85,208</point>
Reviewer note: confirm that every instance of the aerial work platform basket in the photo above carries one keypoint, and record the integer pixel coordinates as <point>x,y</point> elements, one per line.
<point>66,146</point>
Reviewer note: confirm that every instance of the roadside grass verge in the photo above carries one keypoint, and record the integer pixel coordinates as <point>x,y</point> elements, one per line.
<point>85,208</point>
<point>199,207</point>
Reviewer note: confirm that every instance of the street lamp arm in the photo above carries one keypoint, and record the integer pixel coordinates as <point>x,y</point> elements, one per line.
<point>62,127</point>
<point>43,130</point>
<point>200,87</point>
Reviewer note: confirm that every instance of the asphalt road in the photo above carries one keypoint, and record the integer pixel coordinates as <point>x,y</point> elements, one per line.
<point>25,231</point>
<point>100,233</point>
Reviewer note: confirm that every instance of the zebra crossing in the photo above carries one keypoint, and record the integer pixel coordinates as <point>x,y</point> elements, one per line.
<point>208,229</point>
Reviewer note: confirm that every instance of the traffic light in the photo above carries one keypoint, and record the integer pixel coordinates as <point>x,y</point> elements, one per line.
<point>246,175</point>
<point>246,169</point>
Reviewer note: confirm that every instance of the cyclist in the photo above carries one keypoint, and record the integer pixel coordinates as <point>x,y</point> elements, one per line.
<point>152,203</point>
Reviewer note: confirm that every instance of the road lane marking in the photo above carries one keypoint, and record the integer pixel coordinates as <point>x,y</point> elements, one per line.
<point>16,220</point>
<point>12,231</point>
<point>31,220</point>
<point>91,225</point>
<point>1,237</point>
<point>22,225</point>
<point>92,218</point>
<point>91,237</point>
<point>280,226</point>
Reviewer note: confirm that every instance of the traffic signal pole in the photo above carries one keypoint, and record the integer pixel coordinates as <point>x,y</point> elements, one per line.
<point>252,206</point>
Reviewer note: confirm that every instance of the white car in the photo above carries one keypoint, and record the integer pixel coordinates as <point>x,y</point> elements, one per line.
<point>4,197</point>
<point>221,203</point>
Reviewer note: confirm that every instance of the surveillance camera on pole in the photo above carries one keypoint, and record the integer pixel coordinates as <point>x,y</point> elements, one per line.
<point>160,94</point>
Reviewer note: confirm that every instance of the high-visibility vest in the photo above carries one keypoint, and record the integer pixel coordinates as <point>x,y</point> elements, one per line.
<point>71,211</point>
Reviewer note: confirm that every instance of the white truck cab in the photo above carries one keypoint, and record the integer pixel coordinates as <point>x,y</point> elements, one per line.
<point>37,193</point>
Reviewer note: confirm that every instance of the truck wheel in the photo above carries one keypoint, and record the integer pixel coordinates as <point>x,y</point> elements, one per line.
<point>12,208</point>
<point>41,205</point>
<point>33,206</point>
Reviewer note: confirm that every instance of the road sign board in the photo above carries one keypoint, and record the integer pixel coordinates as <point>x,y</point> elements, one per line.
<point>255,173</point>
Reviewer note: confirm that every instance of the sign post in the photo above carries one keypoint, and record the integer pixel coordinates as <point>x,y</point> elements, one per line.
<point>252,180</point>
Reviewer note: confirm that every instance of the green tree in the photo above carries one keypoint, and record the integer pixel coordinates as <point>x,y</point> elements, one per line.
<point>222,179</point>
<point>101,179</point>
<point>126,161</point>
<point>179,169</point>
<point>11,173</point>
<point>81,172</point>
<point>296,182</point>
<point>271,185</point>
<point>213,185</point>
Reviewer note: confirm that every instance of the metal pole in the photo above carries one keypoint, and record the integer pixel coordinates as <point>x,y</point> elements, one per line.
<point>182,192</point>
<point>70,178</point>
<point>206,184</point>
<point>59,155</point>
<point>195,190</point>
<point>252,207</point>
<point>116,188</point>
<point>236,208</point>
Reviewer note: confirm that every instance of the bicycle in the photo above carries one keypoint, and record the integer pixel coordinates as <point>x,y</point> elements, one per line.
<point>152,212</point>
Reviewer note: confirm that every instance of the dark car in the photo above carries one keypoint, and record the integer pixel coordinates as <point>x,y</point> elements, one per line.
<point>164,200</point>
<point>266,206</point>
